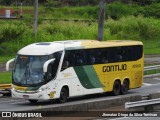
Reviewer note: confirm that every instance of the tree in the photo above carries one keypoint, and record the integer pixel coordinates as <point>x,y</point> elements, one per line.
<point>6,2</point>
<point>145,2</point>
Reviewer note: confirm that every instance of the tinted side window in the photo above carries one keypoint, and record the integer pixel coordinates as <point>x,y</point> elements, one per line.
<point>101,55</point>
<point>96,56</point>
<point>138,50</point>
<point>74,58</point>
<point>69,59</point>
<point>91,56</point>
<point>57,56</point>
<point>125,53</point>
<point>134,52</point>
<point>53,66</point>
<point>116,54</point>
<point>80,57</point>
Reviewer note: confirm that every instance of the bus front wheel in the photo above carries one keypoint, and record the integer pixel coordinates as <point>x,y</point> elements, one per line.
<point>63,95</point>
<point>116,88</point>
<point>125,87</point>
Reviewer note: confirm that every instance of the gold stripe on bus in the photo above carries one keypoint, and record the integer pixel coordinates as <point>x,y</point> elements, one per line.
<point>20,88</point>
<point>110,43</point>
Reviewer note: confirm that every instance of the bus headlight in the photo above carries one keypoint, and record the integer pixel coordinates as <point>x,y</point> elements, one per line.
<point>42,88</point>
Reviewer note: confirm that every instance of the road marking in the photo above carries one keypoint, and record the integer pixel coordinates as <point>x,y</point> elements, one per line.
<point>157,78</point>
<point>147,84</point>
<point>8,101</point>
<point>18,102</point>
<point>101,99</point>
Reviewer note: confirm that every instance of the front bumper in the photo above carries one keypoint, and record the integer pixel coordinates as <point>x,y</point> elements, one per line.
<point>30,95</point>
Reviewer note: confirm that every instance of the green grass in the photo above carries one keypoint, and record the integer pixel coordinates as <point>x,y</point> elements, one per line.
<point>129,24</point>
<point>152,51</point>
<point>5,77</point>
<point>114,10</point>
<point>131,27</point>
<point>152,72</point>
<point>20,34</point>
<point>4,59</point>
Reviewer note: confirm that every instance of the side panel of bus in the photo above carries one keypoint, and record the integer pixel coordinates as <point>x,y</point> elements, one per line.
<point>68,77</point>
<point>95,70</point>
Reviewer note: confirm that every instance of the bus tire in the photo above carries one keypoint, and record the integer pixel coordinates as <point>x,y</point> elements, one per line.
<point>63,95</point>
<point>33,101</point>
<point>116,88</point>
<point>125,87</point>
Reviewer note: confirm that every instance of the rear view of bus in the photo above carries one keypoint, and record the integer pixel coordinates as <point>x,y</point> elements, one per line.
<point>63,69</point>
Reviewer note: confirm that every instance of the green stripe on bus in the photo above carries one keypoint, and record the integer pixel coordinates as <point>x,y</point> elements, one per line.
<point>93,77</point>
<point>84,80</point>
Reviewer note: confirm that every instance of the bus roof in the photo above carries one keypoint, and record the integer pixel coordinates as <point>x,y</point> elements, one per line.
<point>110,43</point>
<point>46,48</point>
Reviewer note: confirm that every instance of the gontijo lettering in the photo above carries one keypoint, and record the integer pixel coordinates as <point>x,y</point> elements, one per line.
<point>112,68</point>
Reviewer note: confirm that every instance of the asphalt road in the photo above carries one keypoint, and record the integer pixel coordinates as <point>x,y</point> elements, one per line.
<point>151,85</point>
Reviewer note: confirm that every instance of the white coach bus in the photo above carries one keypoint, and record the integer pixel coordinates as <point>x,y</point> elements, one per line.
<point>63,69</point>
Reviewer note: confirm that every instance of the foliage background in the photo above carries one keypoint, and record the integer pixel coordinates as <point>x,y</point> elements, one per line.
<point>78,19</point>
<point>125,19</point>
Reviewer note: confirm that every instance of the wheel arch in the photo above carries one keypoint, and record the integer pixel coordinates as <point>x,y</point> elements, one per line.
<point>117,80</point>
<point>67,88</point>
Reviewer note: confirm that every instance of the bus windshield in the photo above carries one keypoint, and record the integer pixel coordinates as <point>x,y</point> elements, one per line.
<point>28,70</point>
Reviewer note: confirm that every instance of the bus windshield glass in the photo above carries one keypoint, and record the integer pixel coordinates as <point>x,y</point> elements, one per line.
<point>28,70</point>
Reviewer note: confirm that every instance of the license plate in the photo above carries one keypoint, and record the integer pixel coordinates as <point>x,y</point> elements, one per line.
<point>25,96</point>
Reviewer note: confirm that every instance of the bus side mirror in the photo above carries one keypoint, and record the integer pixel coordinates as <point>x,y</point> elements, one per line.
<point>46,64</point>
<point>8,63</point>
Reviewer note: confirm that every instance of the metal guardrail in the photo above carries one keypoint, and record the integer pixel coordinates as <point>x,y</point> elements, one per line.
<point>5,86</point>
<point>142,103</point>
<point>145,102</point>
<point>5,90</point>
<point>151,70</point>
<point>152,67</point>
